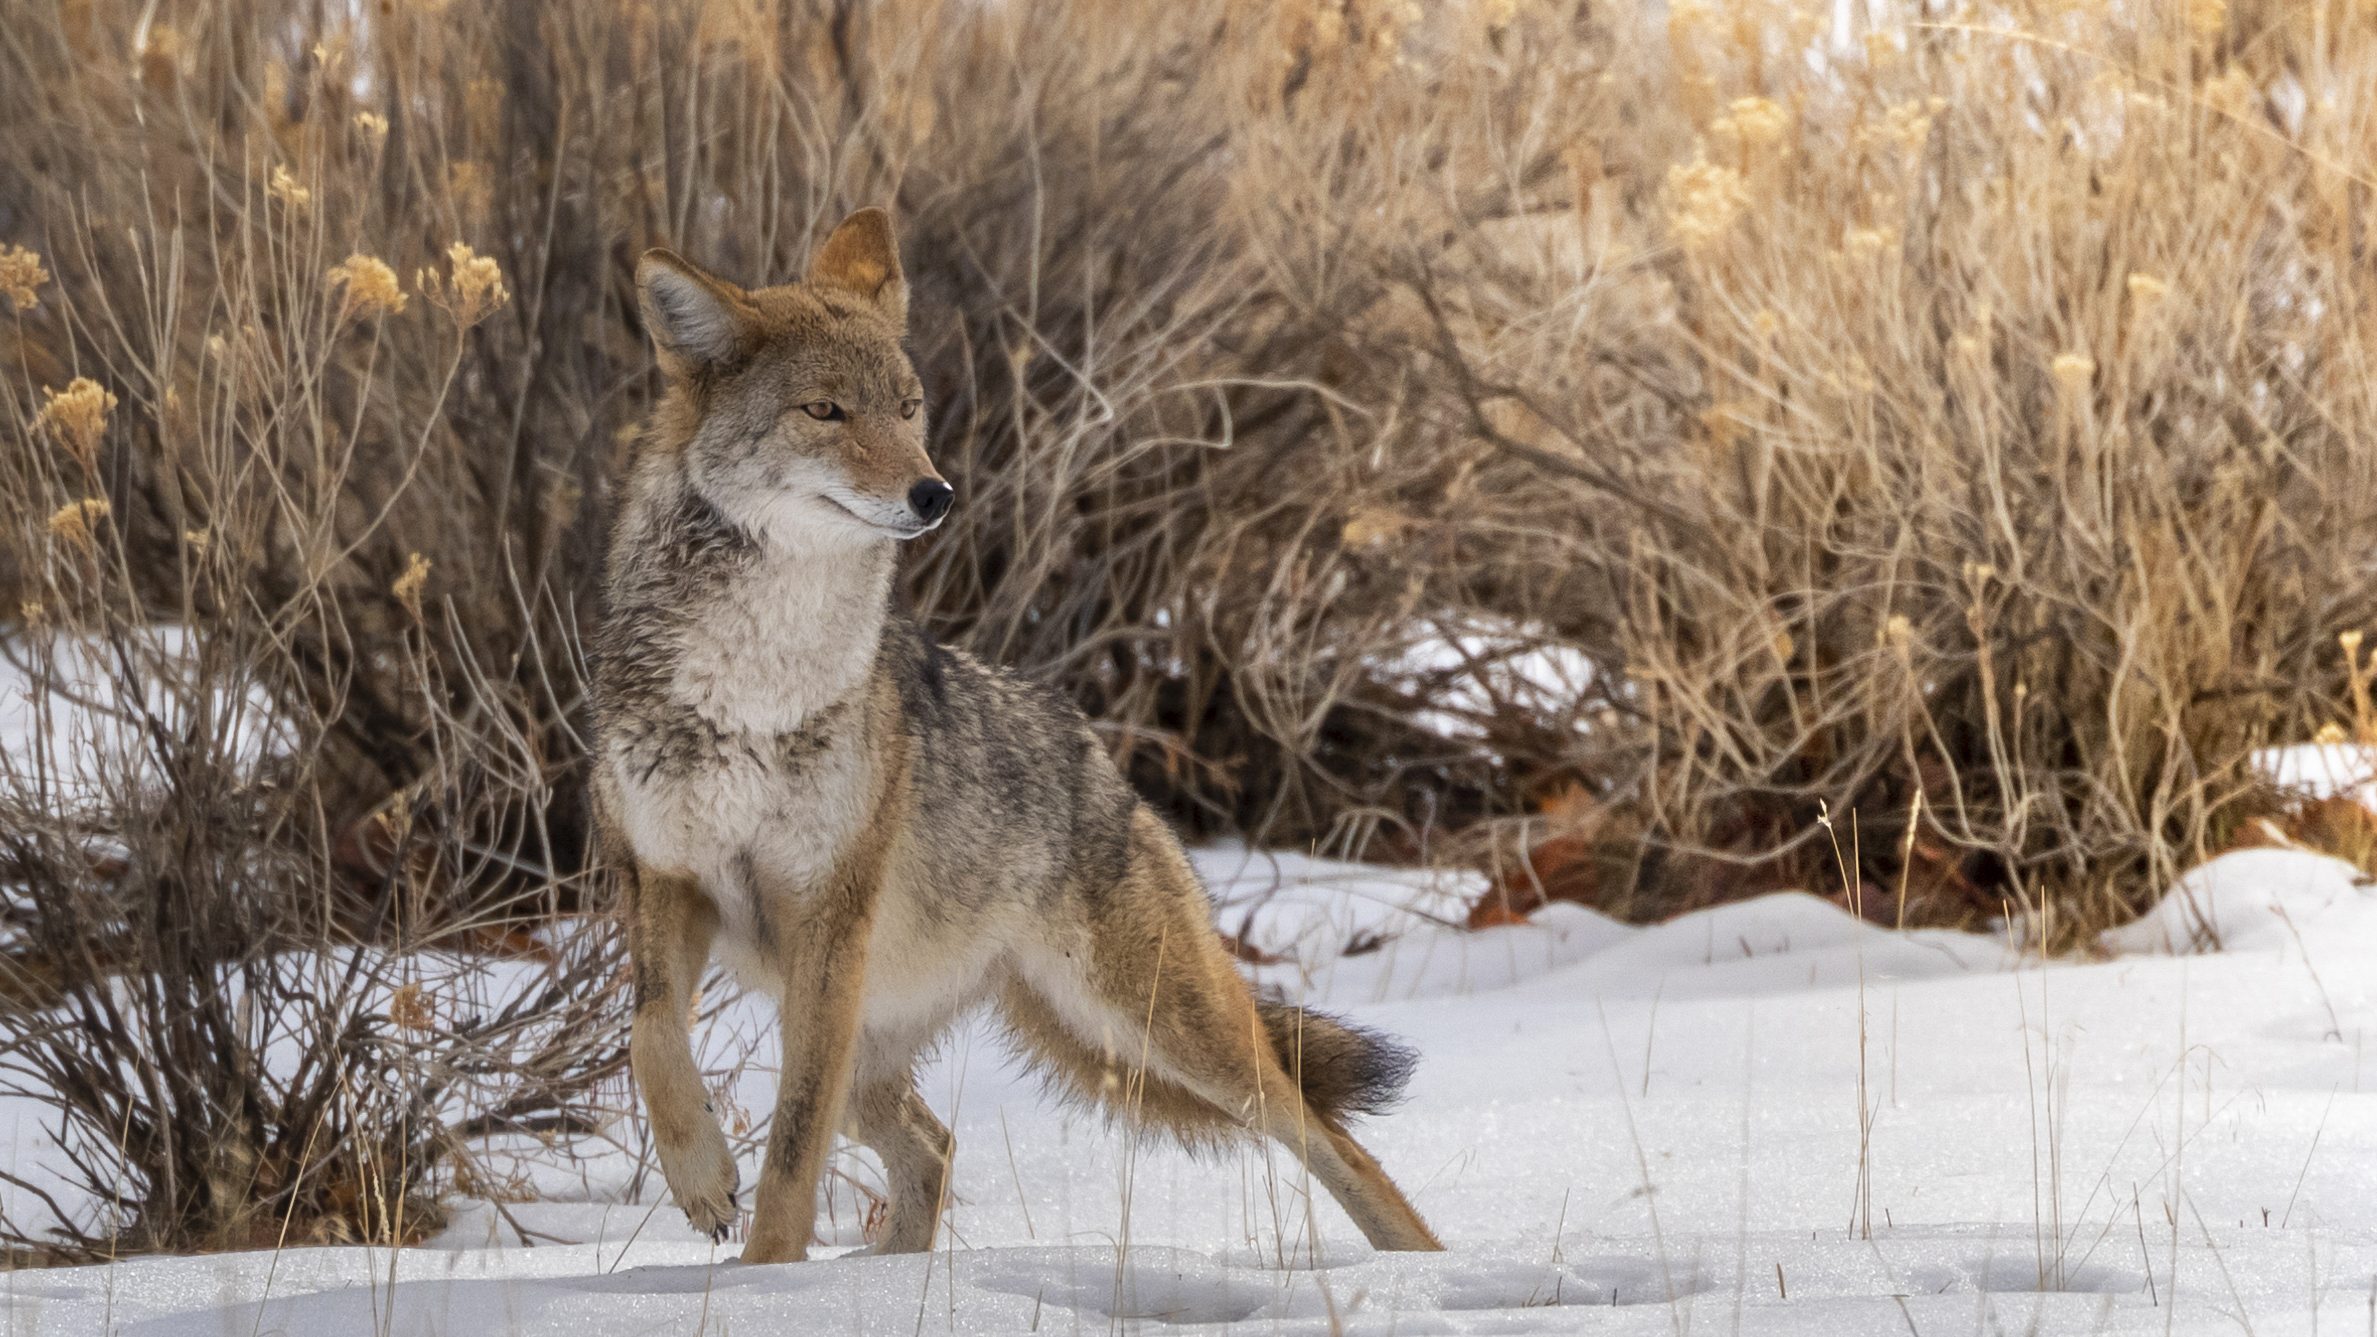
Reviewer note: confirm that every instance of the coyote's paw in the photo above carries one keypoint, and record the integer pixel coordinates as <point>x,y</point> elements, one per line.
<point>704,1182</point>
<point>905,1232</point>
<point>763,1249</point>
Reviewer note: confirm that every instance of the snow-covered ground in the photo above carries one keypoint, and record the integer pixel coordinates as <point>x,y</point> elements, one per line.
<point>1765,1118</point>
<point>71,731</point>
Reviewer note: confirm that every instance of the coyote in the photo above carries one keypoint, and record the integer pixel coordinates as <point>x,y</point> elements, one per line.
<point>881,830</point>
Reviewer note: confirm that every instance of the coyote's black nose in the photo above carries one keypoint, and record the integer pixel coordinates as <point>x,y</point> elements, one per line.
<point>930,500</point>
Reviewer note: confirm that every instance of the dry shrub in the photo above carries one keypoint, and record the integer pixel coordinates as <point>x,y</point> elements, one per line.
<point>237,1053</point>
<point>1414,430</point>
<point>2028,460</point>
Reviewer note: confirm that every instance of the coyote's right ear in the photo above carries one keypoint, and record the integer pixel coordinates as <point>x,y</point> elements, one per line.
<point>697,319</point>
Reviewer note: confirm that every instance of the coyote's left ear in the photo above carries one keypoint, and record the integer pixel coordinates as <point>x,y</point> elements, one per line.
<point>863,258</point>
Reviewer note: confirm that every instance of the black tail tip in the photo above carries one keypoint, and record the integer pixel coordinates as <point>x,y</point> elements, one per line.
<point>1381,1072</point>
<point>1343,1069</point>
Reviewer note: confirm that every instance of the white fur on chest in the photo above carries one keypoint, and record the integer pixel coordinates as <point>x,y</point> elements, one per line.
<point>782,642</point>
<point>772,654</point>
<point>746,821</point>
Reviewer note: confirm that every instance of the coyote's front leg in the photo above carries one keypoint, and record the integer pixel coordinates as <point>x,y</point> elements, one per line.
<point>822,966</point>
<point>670,925</point>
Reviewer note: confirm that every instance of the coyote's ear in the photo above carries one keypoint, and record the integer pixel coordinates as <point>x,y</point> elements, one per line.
<point>697,319</point>
<point>863,258</point>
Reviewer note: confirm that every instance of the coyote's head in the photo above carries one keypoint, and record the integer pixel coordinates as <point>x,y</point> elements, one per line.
<point>801,416</point>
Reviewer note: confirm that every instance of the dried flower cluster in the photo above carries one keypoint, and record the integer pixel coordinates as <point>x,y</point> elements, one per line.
<point>1365,37</point>
<point>410,583</point>
<point>76,418</point>
<point>474,291</point>
<point>285,187</point>
<point>76,523</point>
<point>1751,124</point>
<point>1705,199</point>
<point>21,277</point>
<point>370,286</point>
<point>409,1008</point>
<point>1903,128</point>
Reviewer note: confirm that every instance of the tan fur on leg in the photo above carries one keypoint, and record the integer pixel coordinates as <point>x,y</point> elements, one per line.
<point>1156,961</point>
<point>670,925</point>
<point>916,1150</point>
<point>821,968</point>
<point>1107,1077</point>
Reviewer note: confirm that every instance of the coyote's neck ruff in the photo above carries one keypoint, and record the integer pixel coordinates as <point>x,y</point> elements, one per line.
<point>731,639</point>
<point>882,831</point>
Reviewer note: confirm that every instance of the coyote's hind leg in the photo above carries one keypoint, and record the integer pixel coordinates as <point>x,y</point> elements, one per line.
<point>1158,963</point>
<point>889,1116</point>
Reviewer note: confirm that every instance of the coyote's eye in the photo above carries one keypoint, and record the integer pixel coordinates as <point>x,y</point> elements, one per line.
<point>909,406</point>
<point>823,410</point>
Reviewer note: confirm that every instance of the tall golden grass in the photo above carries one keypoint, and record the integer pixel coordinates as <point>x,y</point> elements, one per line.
<point>1956,419</point>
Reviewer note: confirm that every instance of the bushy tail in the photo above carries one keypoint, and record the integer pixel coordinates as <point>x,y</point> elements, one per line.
<point>1344,1069</point>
